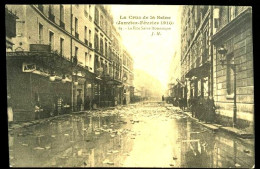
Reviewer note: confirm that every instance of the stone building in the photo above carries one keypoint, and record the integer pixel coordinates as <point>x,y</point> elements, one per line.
<point>233,31</point>
<point>128,76</point>
<point>116,58</point>
<point>60,59</point>
<point>109,54</point>
<point>102,43</point>
<point>207,72</point>
<point>196,51</point>
<point>48,66</point>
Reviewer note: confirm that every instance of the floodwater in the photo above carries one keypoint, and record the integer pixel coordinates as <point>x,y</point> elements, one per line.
<point>149,135</point>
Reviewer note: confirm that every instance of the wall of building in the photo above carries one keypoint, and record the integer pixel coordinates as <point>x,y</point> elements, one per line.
<point>196,48</point>
<point>238,42</point>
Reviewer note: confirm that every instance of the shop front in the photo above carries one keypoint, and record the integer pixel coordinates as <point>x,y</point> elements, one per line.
<point>199,81</point>
<point>34,90</point>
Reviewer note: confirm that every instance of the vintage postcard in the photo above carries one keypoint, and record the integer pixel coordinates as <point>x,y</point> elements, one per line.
<point>130,85</point>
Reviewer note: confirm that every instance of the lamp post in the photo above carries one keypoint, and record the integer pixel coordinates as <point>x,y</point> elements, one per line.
<point>223,53</point>
<point>124,81</point>
<point>74,78</point>
<point>100,72</point>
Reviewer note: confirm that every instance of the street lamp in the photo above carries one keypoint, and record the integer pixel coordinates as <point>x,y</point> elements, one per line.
<point>52,76</point>
<point>223,53</point>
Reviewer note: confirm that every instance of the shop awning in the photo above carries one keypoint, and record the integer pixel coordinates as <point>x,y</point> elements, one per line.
<point>202,71</point>
<point>111,81</point>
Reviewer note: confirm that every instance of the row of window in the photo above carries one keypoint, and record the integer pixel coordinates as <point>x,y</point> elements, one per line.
<point>87,33</point>
<point>61,51</point>
<point>99,45</point>
<point>231,13</point>
<point>102,22</point>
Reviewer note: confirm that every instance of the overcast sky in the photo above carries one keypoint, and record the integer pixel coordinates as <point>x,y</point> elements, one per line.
<point>150,53</point>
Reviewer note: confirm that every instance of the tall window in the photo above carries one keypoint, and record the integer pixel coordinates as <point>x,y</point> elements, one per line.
<point>62,13</point>
<point>86,59</point>
<point>50,9</point>
<point>76,25</point>
<point>51,39</point>
<point>96,42</point>
<point>105,26</point>
<point>86,10</point>
<point>102,21</point>
<point>96,15</point>
<point>106,49</point>
<point>51,13</point>
<point>101,46</point>
<point>76,51</point>
<point>61,46</point>
<point>232,12</point>
<point>230,74</point>
<point>90,17</point>
<point>89,61</point>
<point>89,36</point>
<point>40,33</point>
<point>85,33</point>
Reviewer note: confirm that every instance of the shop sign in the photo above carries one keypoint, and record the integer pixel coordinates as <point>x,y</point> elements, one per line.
<point>29,67</point>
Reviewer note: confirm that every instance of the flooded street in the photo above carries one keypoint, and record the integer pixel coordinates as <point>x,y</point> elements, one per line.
<point>144,135</point>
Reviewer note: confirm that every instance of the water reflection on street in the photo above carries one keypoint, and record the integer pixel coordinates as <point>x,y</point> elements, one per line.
<point>132,136</point>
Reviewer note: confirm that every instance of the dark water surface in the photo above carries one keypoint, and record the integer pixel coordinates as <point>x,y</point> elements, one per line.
<point>133,136</point>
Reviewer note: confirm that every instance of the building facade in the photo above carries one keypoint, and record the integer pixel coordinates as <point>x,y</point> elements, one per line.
<point>103,64</point>
<point>60,59</point>
<point>233,31</point>
<point>128,77</point>
<point>206,30</point>
<point>116,57</point>
<point>196,51</point>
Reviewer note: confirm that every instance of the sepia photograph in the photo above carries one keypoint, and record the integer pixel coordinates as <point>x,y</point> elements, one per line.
<point>116,85</point>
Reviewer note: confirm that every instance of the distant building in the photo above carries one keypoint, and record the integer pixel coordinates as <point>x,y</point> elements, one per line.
<point>149,86</point>
<point>175,89</point>
<point>127,75</point>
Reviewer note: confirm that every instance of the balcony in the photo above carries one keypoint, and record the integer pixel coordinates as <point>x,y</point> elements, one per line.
<point>40,48</point>
<point>77,35</point>
<point>10,23</point>
<point>52,17</point>
<point>86,41</point>
<point>62,25</point>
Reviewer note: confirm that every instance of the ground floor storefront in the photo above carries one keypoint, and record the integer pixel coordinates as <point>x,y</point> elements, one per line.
<point>42,84</point>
